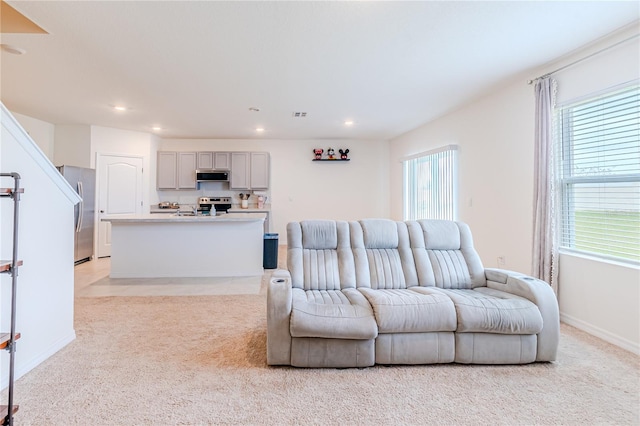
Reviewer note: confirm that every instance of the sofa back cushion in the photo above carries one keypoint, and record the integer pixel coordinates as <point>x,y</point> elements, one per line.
<point>319,256</point>
<point>382,254</point>
<point>444,254</point>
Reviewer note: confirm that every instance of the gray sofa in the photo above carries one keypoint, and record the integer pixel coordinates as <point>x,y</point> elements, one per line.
<point>377,291</point>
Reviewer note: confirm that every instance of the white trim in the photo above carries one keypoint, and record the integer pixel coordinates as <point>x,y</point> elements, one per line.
<point>24,368</point>
<point>599,93</point>
<point>100,248</point>
<point>600,333</point>
<point>430,152</point>
<point>566,251</point>
<point>12,126</point>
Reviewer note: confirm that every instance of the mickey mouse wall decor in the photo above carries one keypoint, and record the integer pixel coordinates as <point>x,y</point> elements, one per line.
<point>331,153</point>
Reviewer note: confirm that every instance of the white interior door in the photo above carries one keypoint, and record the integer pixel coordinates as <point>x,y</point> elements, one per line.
<point>119,193</point>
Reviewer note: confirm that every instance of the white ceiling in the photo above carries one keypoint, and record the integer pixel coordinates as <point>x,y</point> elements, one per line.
<point>195,68</point>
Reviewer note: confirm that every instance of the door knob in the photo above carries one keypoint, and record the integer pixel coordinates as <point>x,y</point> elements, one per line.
<point>101,211</point>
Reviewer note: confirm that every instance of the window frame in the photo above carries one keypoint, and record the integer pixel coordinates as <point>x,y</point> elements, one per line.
<point>567,180</point>
<point>451,196</point>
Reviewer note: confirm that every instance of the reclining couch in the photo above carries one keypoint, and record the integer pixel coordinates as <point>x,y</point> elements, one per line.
<point>377,291</point>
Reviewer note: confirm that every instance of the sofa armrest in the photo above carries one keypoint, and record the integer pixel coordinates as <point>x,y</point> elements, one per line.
<point>278,317</point>
<point>541,294</point>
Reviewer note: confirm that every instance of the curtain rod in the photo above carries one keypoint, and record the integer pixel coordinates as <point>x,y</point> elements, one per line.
<point>585,58</point>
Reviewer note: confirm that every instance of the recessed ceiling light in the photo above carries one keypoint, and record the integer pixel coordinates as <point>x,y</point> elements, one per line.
<point>156,128</point>
<point>120,108</point>
<point>15,50</point>
<point>259,129</point>
<point>348,123</point>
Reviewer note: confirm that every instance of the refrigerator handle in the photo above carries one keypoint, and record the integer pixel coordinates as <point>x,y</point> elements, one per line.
<point>80,207</point>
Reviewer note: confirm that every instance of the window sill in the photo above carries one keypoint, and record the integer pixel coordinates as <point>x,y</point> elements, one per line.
<point>630,264</point>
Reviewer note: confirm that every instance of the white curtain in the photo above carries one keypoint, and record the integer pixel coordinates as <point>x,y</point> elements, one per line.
<point>544,239</point>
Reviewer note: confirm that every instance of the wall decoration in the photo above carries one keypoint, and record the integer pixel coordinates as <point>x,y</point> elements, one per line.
<point>331,153</point>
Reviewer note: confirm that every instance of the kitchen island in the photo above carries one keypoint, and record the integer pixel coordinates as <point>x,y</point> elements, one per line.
<point>153,245</point>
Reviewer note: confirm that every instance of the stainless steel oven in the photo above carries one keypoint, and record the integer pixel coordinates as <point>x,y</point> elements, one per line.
<point>214,205</point>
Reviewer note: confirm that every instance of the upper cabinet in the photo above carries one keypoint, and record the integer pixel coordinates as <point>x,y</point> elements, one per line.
<point>259,170</point>
<point>186,170</point>
<point>249,170</point>
<point>222,160</point>
<point>167,170</point>
<point>205,160</point>
<point>214,160</point>
<point>176,170</point>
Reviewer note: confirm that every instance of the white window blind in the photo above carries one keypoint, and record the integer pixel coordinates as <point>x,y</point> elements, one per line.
<point>599,142</point>
<point>430,185</point>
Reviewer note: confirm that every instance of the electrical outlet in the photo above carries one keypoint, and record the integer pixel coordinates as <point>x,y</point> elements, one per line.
<point>501,261</point>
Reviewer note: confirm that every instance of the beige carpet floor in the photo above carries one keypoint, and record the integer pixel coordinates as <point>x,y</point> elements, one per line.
<point>201,360</point>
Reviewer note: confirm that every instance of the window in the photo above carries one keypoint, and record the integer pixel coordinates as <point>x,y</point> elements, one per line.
<point>599,141</point>
<point>430,185</point>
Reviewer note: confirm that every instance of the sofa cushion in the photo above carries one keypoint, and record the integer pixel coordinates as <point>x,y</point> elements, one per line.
<point>379,234</point>
<point>338,314</point>
<point>444,254</point>
<point>319,234</point>
<point>382,254</point>
<point>484,310</point>
<point>319,256</point>
<point>407,311</point>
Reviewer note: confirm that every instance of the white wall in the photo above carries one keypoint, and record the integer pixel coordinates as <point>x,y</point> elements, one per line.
<point>496,139</point>
<point>601,298</point>
<point>72,145</point>
<point>495,168</point>
<point>45,281</point>
<point>303,189</point>
<point>42,133</point>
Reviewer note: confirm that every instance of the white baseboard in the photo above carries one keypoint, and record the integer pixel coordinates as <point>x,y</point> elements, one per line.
<point>600,333</point>
<point>24,368</point>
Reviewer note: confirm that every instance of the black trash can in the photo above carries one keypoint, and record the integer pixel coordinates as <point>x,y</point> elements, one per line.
<point>270,251</point>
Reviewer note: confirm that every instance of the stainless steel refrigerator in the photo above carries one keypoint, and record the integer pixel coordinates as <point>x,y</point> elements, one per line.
<point>84,182</point>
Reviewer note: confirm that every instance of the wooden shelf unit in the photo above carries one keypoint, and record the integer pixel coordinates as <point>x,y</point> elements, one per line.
<point>5,265</point>
<point>7,192</point>
<point>8,339</point>
<point>4,409</point>
<point>5,338</point>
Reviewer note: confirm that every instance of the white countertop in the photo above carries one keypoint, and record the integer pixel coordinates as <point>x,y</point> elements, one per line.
<point>173,218</point>
<point>249,210</point>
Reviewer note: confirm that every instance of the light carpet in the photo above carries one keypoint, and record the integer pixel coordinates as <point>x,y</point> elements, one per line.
<point>204,286</point>
<point>201,360</point>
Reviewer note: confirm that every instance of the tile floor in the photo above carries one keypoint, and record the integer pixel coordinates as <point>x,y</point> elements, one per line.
<point>92,280</point>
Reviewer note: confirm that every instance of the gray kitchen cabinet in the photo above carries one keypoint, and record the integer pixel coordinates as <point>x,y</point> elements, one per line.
<point>205,160</point>
<point>214,160</point>
<point>167,175</point>
<point>249,170</point>
<point>176,170</point>
<point>259,175</point>
<point>222,160</point>
<point>187,170</point>
<point>239,170</point>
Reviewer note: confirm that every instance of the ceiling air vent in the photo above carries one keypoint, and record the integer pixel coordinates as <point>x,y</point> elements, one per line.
<point>299,114</point>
